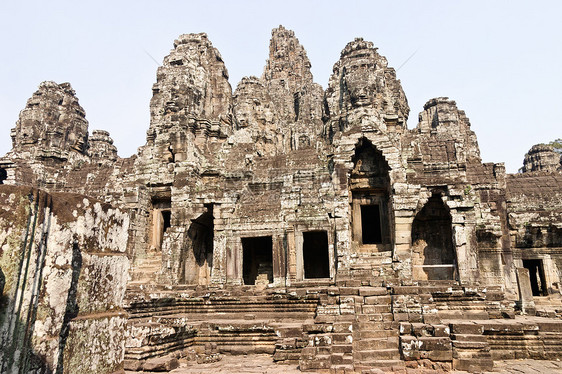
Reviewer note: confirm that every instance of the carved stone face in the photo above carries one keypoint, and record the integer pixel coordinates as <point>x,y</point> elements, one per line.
<point>252,105</point>
<point>361,84</point>
<point>30,130</point>
<point>53,120</point>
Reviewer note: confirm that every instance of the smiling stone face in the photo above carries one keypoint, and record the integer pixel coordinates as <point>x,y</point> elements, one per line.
<point>361,79</point>
<point>361,72</point>
<point>52,124</point>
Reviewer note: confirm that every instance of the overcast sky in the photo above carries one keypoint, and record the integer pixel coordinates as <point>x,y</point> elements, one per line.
<point>499,60</point>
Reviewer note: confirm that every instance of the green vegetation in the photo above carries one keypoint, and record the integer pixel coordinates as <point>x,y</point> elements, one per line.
<point>557,145</point>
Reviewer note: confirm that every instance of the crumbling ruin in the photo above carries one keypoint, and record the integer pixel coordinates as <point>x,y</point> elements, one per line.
<point>279,218</point>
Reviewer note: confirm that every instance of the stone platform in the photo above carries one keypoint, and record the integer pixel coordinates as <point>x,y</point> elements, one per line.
<point>263,364</point>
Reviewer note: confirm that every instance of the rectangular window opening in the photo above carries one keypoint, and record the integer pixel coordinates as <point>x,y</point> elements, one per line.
<point>315,254</point>
<point>257,260</point>
<point>371,230</point>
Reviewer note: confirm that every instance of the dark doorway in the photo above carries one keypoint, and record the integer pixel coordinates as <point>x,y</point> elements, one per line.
<point>536,274</point>
<point>257,260</point>
<point>161,219</point>
<point>371,230</point>
<point>167,219</point>
<point>201,233</point>
<point>315,254</point>
<point>3,175</point>
<point>432,240</point>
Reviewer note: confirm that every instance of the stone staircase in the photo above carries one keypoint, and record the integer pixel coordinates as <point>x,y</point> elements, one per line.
<point>532,337</point>
<point>353,326</point>
<point>290,343</point>
<point>205,307</point>
<point>353,332</point>
<point>442,322</point>
<point>470,347</point>
<point>167,320</point>
<point>151,337</point>
<point>376,335</point>
<point>369,269</point>
<point>549,306</point>
<point>329,343</point>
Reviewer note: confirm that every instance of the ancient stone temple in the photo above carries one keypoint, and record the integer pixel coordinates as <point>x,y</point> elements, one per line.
<point>278,218</point>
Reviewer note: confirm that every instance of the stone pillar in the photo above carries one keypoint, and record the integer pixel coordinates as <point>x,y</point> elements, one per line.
<point>402,251</point>
<point>224,259</point>
<point>279,258</point>
<point>525,292</point>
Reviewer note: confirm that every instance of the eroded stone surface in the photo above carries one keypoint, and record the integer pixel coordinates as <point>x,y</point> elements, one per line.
<point>53,124</point>
<point>541,157</point>
<point>283,219</point>
<point>66,272</point>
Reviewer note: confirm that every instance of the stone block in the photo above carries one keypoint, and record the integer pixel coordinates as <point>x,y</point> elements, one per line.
<point>373,291</point>
<point>422,329</point>
<point>349,291</point>
<point>434,344</point>
<point>441,330</point>
<point>436,355</point>
<point>378,300</point>
<point>406,328</point>
<point>473,365</point>
<point>161,364</point>
<point>467,328</point>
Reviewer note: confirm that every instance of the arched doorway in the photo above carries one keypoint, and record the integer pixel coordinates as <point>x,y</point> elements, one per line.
<point>433,255</point>
<point>370,188</point>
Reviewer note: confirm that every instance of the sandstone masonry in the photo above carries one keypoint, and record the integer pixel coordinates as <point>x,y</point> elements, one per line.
<point>277,218</point>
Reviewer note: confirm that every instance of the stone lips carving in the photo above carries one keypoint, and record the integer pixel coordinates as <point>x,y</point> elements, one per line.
<point>283,219</point>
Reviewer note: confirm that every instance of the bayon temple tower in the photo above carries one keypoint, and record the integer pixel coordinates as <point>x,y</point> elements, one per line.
<point>276,218</point>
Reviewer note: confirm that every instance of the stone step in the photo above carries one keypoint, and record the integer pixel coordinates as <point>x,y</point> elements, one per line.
<point>318,362</point>
<point>342,369</point>
<point>366,334</point>
<point>469,338</point>
<point>376,309</point>
<point>372,323</point>
<point>469,315</point>
<point>342,338</point>
<point>379,317</point>
<point>466,327</point>
<point>289,331</point>
<point>342,348</point>
<point>377,354</point>
<point>473,365</point>
<point>376,343</point>
<point>341,359</point>
<point>472,345</point>
<point>378,300</point>
<point>365,367</point>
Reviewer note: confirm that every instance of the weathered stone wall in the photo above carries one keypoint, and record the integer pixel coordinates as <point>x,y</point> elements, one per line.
<point>535,212</point>
<point>541,157</point>
<point>66,271</point>
<point>249,190</point>
<point>276,159</point>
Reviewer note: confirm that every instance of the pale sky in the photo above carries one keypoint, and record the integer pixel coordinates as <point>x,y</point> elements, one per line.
<point>499,60</point>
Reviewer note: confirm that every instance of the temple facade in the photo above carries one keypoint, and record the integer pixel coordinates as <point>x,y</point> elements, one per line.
<point>277,218</point>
